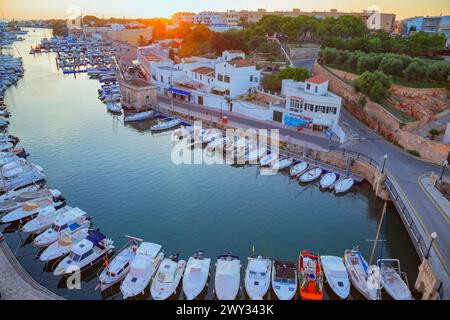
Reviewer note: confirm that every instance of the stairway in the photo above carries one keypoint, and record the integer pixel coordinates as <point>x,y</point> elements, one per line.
<point>424,131</point>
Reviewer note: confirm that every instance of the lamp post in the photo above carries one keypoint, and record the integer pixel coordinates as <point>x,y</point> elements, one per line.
<point>444,165</point>
<point>384,162</point>
<point>433,237</point>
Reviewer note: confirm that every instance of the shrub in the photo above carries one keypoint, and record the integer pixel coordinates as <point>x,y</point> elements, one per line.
<point>439,71</point>
<point>361,101</point>
<point>296,73</point>
<point>374,84</point>
<point>391,65</point>
<point>417,70</point>
<point>434,132</point>
<point>414,153</point>
<point>271,82</point>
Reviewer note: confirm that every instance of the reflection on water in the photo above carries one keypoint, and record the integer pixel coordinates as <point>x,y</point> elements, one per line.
<point>122,175</point>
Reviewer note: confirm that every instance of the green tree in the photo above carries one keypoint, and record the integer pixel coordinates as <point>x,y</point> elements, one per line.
<point>269,48</point>
<point>296,73</point>
<point>374,84</point>
<point>271,82</point>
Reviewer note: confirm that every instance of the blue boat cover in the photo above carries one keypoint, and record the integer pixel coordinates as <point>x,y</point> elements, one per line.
<point>362,262</point>
<point>95,237</point>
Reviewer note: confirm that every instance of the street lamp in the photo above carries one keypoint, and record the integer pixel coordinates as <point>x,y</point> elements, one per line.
<point>433,237</point>
<point>444,165</point>
<point>384,162</point>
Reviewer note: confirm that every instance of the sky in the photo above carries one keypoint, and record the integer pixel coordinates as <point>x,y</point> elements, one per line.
<point>37,9</point>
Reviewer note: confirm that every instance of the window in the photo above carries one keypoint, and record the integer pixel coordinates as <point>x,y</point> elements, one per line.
<point>308,86</point>
<point>201,78</point>
<point>251,78</point>
<point>227,79</point>
<point>220,77</point>
<point>162,79</point>
<point>332,110</point>
<point>256,79</point>
<point>315,88</point>
<point>294,106</point>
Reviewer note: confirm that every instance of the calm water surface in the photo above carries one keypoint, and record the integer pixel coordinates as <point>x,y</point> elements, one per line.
<point>124,178</point>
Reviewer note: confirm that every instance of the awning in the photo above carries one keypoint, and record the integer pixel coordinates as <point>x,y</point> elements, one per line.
<point>220,89</point>
<point>179,91</point>
<point>322,122</point>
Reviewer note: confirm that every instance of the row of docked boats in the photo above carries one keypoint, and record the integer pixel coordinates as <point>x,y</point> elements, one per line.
<point>247,151</point>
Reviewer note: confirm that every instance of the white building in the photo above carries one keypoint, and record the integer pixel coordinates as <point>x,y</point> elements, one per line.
<point>310,104</point>
<point>210,17</point>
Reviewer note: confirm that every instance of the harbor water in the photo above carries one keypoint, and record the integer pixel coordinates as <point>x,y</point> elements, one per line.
<point>124,178</point>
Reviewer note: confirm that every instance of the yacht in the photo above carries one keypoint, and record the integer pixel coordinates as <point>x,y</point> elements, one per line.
<point>167,278</point>
<point>227,278</point>
<point>44,219</point>
<point>359,273</point>
<point>142,269</point>
<point>196,275</point>
<point>336,275</point>
<point>19,200</point>
<point>62,246</point>
<point>19,174</point>
<point>85,254</point>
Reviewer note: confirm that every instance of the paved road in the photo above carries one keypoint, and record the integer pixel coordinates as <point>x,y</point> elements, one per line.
<point>404,168</point>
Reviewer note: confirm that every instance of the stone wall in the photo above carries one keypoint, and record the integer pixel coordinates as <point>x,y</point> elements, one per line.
<point>382,121</point>
<point>303,52</point>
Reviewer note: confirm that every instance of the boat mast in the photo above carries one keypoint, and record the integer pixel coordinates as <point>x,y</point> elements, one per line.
<point>378,234</point>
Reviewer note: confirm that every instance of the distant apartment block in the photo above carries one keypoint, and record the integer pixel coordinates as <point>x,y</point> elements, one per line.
<point>235,18</point>
<point>435,24</point>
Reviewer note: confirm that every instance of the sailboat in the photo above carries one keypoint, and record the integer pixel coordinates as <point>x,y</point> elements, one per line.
<point>393,280</point>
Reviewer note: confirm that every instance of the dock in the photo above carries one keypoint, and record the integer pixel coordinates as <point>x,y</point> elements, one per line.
<point>16,283</point>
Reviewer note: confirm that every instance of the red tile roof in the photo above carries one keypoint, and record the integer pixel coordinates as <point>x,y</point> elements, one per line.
<point>240,63</point>
<point>205,71</point>
<point>319,79</point>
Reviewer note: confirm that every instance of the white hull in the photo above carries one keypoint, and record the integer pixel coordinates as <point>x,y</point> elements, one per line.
<point>62,247</point>
<point>162,290</point>
<point>139,116</point>
<point>257,277</point>
<point>166,125</point>
<point>336,275</point>
<point>328,180</point>
<point>195,277</point>
<point>343,185</point>
<point>267,160</point>
<point>354,264</point>
<point>298,168</point>
<point>227,279</point>
<point>311,175</point>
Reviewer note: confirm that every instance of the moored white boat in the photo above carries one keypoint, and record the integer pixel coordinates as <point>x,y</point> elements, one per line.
<point>13,193</point>
<point>64,225</point>
<point>358,271</point>
<point>336,275</point>
<point>281,164</point>
<point>343,185</point>
<point>85,254</point>
<point>119,266</point>
<point>44,220</point>
<point>257,277</point>
<point>196,275</point>
<point>227,278</point>
<point>310,175</point>
<point>167,278</point>
<point>140,116</point>
<point>298,168</point>
<point>62,246</point>
<point>113,108</point>
<point>255,154</point>
<point>268,159</point>
<point>284,279</point>
<point>328,180</point>
<point>165,125</point>
<point>22,198</point>
<point>142,268</point>
<point>30,209</point>
<point>218,143</point>
<point>393,280</point>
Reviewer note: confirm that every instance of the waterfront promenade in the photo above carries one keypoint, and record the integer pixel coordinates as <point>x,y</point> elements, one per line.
<point>404,169</point>
<point>16,283</point>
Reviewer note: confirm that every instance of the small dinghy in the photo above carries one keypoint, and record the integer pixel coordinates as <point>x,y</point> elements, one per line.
<point>31,208</point>
<point>119,266</point>
<point>113,108</point>
<point>62,246</point>
<point>64,225</point>
<point>281,164</point>
<point>21,199</point>
<point>393,280</point>
<point>167,278</point>
<point>85,254</point>
<point>255,154</point>
<point>267,160</point>
<point>44,220</point>
<point>310,276</point>
<point>310,175</point>
<point>336,275</point>
<point>142,268</point>
<point>358,271</point>
<point>298,168</point>
<point>343,185</point>
<point>328,180</point>
<point>165,125</point>
<point>228,276</point>
<point>284,279</point>
<point>140,116</point>
<point>196,275</point>
<point>257,277</point>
